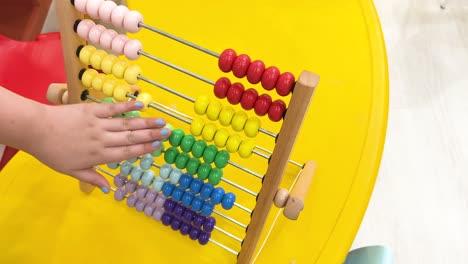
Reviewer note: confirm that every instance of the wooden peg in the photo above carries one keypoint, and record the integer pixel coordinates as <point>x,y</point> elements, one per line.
<point>281,198</point>
<point>57,93</point>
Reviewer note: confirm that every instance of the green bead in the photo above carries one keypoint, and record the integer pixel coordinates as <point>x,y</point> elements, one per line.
<point>192,165</point>
<point>222,159</point>
<point>198,148</point>
<point>204,171</point>
<point>176,137</point>
<point>181,160</point>
<point>132,114</point>
<point>171,128</point>
<point>108,100</point>
<point>158,152</point>
<point>171,155</point>
<point>187,143</point>
<point>209,154</point>
<point>215,176</point>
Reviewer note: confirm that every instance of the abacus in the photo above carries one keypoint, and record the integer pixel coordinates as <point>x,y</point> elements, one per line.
<point>186,184</point>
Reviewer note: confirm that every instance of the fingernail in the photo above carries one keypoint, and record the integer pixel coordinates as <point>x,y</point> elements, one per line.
<point>139,104</point>
<point>164,132</point>
<point>104,190</point>
<point>156,144</point>
<point>160,121</point>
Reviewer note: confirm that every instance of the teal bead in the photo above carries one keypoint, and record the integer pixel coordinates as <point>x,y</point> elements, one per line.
<point>209,154</point>
<point>171,155</point>
<point>158,184</point>
<point>133,160</point>
<point>198,148</point>
<point>147,177</point>
<point>187,143</point>
<point>174,177</point>
<point>113,166</point>
<point>136,173</point>
<point>222,159</point>
<point>215,176</point>
<point>165,170</point>
<point>146,161</point>
<point>192,166</point>
<point>126,168</point>
<point>159,151</point>
<point>132,114</point>
<point>204,171</point>
<point>181,160</point>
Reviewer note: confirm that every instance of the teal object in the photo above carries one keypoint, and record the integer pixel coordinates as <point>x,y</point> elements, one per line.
<point>146,161</point>
<point>136,173</point>
<point>370,255</point>
<point>158,184</point>
<point>165,170</point>
<point>147,178</point>
<point>126,168</point>
<point>133,160</point>
<point>174,177</point>
<point>113,165</point>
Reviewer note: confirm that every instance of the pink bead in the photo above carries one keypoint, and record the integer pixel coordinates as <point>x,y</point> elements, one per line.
<point>105,11</point>
<point>132,20</point>
<point>118,44</point>
<point>84,27</point>
<point>95,33</point>
<point>132,48</point>
<point>92,8</point>
<point>118,15</point>
<point>80,5</point>
<point>106,38</point>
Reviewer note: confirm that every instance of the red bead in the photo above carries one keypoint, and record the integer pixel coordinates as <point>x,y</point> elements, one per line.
<point>235,92</point>
<point>241,65</point>
<point>269,77</point>
<point>249,98</point>
<point>221,87</point>
<point>285,83</point>
<point>255,71</point>
<point>262,104</point>
<point>276,111</point>
<point>226,59</point>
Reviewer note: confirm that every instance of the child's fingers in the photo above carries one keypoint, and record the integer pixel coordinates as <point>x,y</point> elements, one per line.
<point>132,137</point>
<point>124,124</point>
<point>92,177</point>
<point>130,151</point>
<point>110,110</point>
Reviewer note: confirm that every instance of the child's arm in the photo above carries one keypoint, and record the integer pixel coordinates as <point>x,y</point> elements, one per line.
<point>72,139</point>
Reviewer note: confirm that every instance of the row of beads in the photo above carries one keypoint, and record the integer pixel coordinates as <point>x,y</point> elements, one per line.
<point>108,11</point>
<point>109,63</point>
<point>222,138</point>
<point>130,114</point>
<point>241,66</point>
<point>109,39</point>
<point>238,120</point>
<point>249,99</point>
<point>188,199</point>
<point>189,216</point>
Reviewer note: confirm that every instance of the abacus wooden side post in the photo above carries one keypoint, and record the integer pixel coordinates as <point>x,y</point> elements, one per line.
<point>67,16</point>
<point>292,123</point>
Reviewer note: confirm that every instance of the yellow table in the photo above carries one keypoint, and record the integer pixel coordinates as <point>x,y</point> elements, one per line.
<point>44,218</point>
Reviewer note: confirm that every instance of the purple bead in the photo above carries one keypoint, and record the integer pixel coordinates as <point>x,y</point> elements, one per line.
<point>141,192</point>
<point>176,224</point>
<point>204,238</point>
<point>188,215</point>
<point>131,201</point>
<point>199,220</point>
<point>120,180</point>
<point>151,196</point>
<point>169,205</point>
<point>140,205</point>
<point>160,200</point>
<point>166,219</point>
<point>185,229</point>
<point>158,213</point>
<point>149,209</point>
<point>209,224</point>
<point>179,211</point>
<point>194,233</point>
<point>131,186</point>
<point>119,195</point>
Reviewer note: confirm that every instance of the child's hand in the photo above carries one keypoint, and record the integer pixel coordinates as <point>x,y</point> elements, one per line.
<point>73,139</point>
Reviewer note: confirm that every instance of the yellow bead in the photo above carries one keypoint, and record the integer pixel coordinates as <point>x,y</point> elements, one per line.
<point>118,70</point>
<point>146,99</point>
<point>108,63</point>
<point>98,82</point>
<point>88,76</point>
<point>96,59</point>
<point>226,115</point>
<point>201,104</point>
<point>197,126</point>
<point>246,148</point>
<point>221,137</point>
<point>233,142</point>
<point>109,86</point>
<point>209,132</point>
<point>238,121</point>
<point>252,126</point>
<point>131,74</point>
<point>85,54</point>
<point>120,92</point>
<point>213,110</point>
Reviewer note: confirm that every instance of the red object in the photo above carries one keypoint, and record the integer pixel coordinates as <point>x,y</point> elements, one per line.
<point>221,87</point>
<point>28,68</point>
<point>262,105</point>
<point>241,65</point>
<point>276,111</point>
<point>235,92</point>
<point>285,83</point>
<point>255,71</point>
<point>249,98</point>
<point>269,78</point>
<point>226,59</point>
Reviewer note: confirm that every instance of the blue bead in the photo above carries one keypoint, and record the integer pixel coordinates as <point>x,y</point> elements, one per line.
<point>206,191</point>
<point>197,203</point>
<point>113,166</point>
<point>217,195</point>
<point>146,162</point>
<point>158,184</point>
<point>185,180</point>
<point>187,199</point>
<point>207,208</point>
<point>126,168</point>
<point>147,178</point>
<point>165,170</point>
<point>228,201</point>
<point>196,185</point>
<point>175,175</point>
<point>136,173</point>
<point>177,194</point>
<point>167,189</point>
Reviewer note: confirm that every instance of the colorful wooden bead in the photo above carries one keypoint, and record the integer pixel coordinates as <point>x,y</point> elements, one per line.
<point>98,82</point>
<point>185,180</point>
<point>151,195</point>
<point>125,168</point>
<point>270,77</point>
<point>285,83</point>
<point>188,216</point>
<point>262,105</point>
<point>118,69</point>
<point>239,120</point>
<point>146,99</point>
<point>107,63</point>
<point>221,137</point>
<point>192,165</point>
<point>108,86</point>
<point>201,104</point>
<point>204,238</point>
<point>83,28</point>
<point>194,233</point>
<point>209,224</point>
<point>255,71</point>
<point>132,160</point>
<point>136,173</point>
<point>140,205</point>
<point>80,5</point>
<point>222,159</point>
<point>187,198</point>
<point>181,160</point>
<point>159,151</point>
<point>246,148</point>
<point>118,15</point>
<point>106,38</point>
<point>95,34</point>
<point>197,126</point>
<point>130,114</point>
<point>217,195</point>
<point>149,209</point>
<point>213,110</point>
<point>160,201</point>
<point>196,186</point>
<point>177,194</point>
<point>277,110</point>
<point>131,186</point>
<point>215,176</point>
<point>176,224</point>
<point>226,59</point>
<point>141,192</point>
<point>166,219</point>
<point>120,180</point>
<point>119,194</point>
<point>158,184</point>
<point>105,11</point>
<point>158,213</point>
<point>198,148</point>
<point>113,165</point>
<point>235,92</point>
<point>228,201</point>
<point>210,154</point>
<point>206,190</point>
<point>88,76</point>
<point>241,65</point>
<point>185,229</point>
<point>165,170</point>
<point>92,8</point>
<point>110,100</point>
<point>176,137</point>
<point>207,208</point>
<point>85,54</point>
<point>187,143</point>
<point>233,143</point>
<point>252,126</point>
<point>221,87</point>
<point>178,211</point>
<point>167,189</point>
<point>147,178</point>
<point>132,21</point>
<point>132,74</point>
<point>204,171</point>
<point>131,200</point>
<point>249,97</point>
<point>175,175</point>
<point>198,220</point>
<point>226,115</point>
<point>120,92</point>
<point>146,161</point>
<point>118,44</point>
<point>197,203</point>
<point>209,132</point>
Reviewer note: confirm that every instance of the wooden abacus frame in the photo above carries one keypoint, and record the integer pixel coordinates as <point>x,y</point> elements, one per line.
<point>293,120</point>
